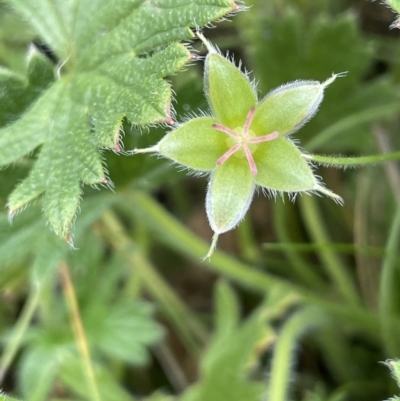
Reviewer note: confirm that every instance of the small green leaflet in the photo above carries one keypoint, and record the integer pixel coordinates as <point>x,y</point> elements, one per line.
<point>113,56</point>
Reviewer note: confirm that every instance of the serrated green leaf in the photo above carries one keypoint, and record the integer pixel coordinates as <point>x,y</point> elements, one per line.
<point>17,92</point>
<point>20,241</point>
<point>68,148</point>
<point>71,373</point>
<point>37,373</point>
<point>15,37</point>
<point>12,87</point>
<point>8,177</point>
<point>143,98</point>
<point>151,24</point>
<point>27,133</point>
<point>40,70</point>
<point>52,20</point>
<point>114,56</point>
<point>124,331</point>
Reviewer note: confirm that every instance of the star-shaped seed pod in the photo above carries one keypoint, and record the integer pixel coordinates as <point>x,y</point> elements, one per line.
<point>244,143</point>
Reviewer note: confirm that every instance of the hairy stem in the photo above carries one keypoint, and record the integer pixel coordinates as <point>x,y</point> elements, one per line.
<point>347,124</point>
<point>338,273</point>
<point>388,290</point>
<point>339,161</point>
<point>282,360</point>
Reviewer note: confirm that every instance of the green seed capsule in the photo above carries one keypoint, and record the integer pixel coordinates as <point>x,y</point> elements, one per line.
<point>244,143</point>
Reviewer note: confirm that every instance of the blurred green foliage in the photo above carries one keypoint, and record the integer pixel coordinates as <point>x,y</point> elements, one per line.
<point>302,303</point>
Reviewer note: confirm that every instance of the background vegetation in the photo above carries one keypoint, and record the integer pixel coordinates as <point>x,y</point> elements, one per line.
<point>301,301</point>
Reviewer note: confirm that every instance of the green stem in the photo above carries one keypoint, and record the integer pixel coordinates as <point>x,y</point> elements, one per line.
<point>336,351</point>
<point>192,331</point>
<point>366,268</point>
<point>335,269</point>
<point>176,235</point>
<point>249,249</point>
<point>282,359</point>
<point>338,161</point>
<point>79,331</point>
<point>301,269</point>
<point>367,250</point>
<point>19,331</point>
<point>388,290</point>
<point>172,232</point>
<point>348,123</point>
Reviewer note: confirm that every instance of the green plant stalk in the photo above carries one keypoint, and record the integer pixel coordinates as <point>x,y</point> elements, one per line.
<point>367,273</point>
<point>19,330</point>
<point>47,300</point>
<point>388,291</point>
<point>301,269</point>
<point>79,331</point>
<point>337,353</point>
<point>192,330</point>
<point>172,232</point>
<point>282,359</point>
<point>171,367</point>
<point>134,285</point>
<point>368,250</point>
<point>249,249</point>
<point>338,161</point>
<point>335,269</point>
<point>346,124</point>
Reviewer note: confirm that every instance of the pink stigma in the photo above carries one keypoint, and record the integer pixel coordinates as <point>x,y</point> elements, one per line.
<point>243,140</point>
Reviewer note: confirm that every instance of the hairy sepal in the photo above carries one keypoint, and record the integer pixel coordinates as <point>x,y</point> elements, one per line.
<point>229,194</point>
<point>228,90</point>
<point>288,107</point>
<point>195,144</point>
<point>281,167</point>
